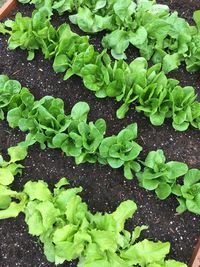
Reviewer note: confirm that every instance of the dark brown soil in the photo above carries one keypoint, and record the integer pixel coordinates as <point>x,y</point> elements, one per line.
<point>104,188</point>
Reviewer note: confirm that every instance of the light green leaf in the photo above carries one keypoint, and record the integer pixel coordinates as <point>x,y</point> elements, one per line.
<point>37,190</point>
<point>80,111</point>
<point>17,153</point>
<point>6,177</point>
<point>163,191</point>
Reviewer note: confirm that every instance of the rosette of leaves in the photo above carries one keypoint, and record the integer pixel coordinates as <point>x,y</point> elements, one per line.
<point>82,139</point>
<point>75,56</point>
<point>121,150</point>
<point>161,35</point>
<point>95,72</point>
<point>188,194</point>
<point>9,207</point>
<point>151,87</point>
<point>105,77</point>
<point>160,175</point>
<point>65,5</point>
<point>182,101</point>
<point>8,89</point>
<point>160,98</point>
<point>44,120</point>
<point>134,29</point>
<point>139,80</point>
<point>94,22</point>
<point>31,33</point>
<point>19,107</point>
<point>104,15</point>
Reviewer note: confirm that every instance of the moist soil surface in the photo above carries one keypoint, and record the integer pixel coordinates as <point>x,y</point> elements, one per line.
<point>103,187</point>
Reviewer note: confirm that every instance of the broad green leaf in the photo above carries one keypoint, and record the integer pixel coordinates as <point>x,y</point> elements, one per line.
<point>146,252</point>
<point>176,169</point>
<point>14,116</point>
<point>60,63</point>
<point>170,62</point>
<point>80,111</point>
<point>139,37</point>
<point>192,177</point>
<point>163,190</point>
<point>149,184</point>
<point>5,202</point>
<point>6,177</point>
<point>124,212</point>
<point>37,190</point>
<point>104,239</point>
<point>17,153</point>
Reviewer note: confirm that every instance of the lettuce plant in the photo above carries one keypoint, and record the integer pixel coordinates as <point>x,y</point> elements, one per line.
<point>159,175</point>
<point>81,140</point>
<point>189,193</point>
<point>121,150</point>
<point>8,88</point>
<point>166,179</point>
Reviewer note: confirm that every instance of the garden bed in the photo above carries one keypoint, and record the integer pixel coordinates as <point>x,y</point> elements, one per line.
<point>104,188</point>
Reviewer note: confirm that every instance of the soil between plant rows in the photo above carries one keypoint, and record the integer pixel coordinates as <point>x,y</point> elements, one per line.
<point>103,188</point>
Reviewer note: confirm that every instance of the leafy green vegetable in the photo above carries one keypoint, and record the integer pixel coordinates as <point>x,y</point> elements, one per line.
<point>46,123</point>
<point>189,193</point>
<point>147,89</point>
<point>8,169</point>
<point>9,207</point>
<point>159,34</point>
<point>121,149</point>
<point>159,175</point>
<point>68,230</point>
<point>146,252</point>
<point>163,178</point>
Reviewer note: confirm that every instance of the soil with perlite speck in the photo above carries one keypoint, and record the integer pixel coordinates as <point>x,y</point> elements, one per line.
<point>104,188</point>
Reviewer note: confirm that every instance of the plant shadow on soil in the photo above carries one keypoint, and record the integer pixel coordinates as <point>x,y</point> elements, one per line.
<point>103,187</point>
